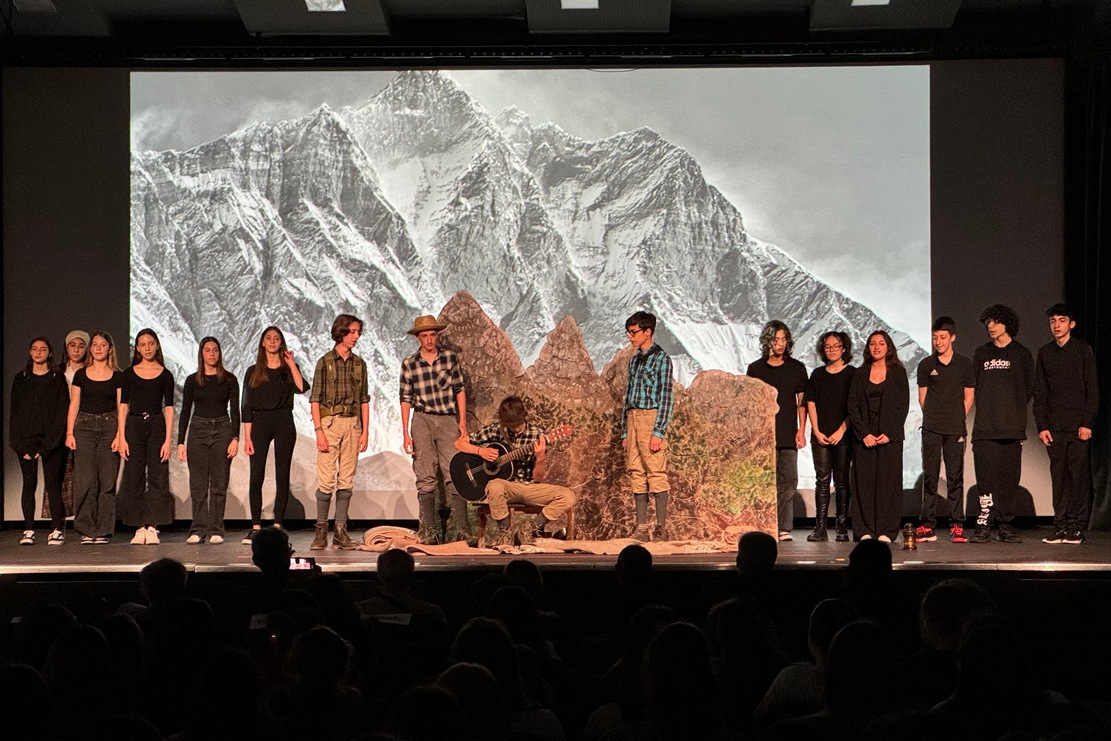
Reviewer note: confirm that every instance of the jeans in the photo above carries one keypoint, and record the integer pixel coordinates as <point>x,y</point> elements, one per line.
<point>53,470</point>
<point>145,497</point>
<point>95,468</point>
<point>786,486</point>
<point>206,449</point>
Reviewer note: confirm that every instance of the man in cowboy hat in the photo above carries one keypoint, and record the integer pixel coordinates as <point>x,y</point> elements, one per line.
<point>433,417</point>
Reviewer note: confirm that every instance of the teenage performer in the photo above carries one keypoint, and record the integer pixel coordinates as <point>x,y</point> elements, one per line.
<point>827,406</point>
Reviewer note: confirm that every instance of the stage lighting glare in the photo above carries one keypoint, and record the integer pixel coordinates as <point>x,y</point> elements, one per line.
<point>578,4</point>
<point>325,6</point>
<point>867,3</point>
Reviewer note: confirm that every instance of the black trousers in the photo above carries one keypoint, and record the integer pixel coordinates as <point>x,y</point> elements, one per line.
<point>278,428</point>
<point>786,486</point>
<point>878,489</point>
<point>145,497</point>
<point>209,470</point>
<point>53,471</point>
<point>95,468</point>
<point>998,471</point>
<point>832,462</point>
<point>935,447</point>
<point>1072,481</point>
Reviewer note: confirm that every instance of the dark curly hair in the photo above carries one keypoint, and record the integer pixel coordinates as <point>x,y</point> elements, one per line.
<point>767,336</point>
<point>846,346</point>
<point>1001,314</point>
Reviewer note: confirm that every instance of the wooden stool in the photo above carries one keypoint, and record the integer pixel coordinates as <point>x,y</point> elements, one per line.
<point>482,516</point>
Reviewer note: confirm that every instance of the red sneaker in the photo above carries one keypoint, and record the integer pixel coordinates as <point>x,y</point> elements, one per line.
<point>956,534</point>
<point>925,534</point>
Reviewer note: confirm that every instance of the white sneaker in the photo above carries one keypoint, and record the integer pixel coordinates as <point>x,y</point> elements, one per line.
<point>216,539</point>
<point>193,539</point>
<point>884,539</point>
<point>140,537</point>
<point>56,538</point>
<point>152,536</point>
<point>28,538</point>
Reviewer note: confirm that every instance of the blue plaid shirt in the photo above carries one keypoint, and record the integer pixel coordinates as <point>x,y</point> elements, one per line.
<point>649,387</point>
<point>431,388</point>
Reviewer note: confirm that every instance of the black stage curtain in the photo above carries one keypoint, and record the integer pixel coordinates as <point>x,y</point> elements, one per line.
<point>1088,243</point>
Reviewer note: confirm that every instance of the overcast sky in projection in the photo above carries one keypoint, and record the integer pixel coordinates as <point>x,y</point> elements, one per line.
<point>829,163</point>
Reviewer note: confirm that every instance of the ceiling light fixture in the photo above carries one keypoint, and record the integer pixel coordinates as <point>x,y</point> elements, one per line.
<point>325,6</point>
<point>578,4</point>
<point>868,3</point>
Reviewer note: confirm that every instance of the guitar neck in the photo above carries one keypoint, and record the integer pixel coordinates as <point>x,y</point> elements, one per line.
<point>517,453</point>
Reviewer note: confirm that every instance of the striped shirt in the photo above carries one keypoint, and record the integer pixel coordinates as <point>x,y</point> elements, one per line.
<point>649,387</point>
<point>495,433</point>
<point>431,388</point>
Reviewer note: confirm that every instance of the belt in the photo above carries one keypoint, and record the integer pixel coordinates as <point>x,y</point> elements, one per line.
<point>436,414</point>
<point>142,415</point>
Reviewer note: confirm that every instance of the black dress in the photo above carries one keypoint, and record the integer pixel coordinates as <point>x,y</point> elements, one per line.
<point>878,409</point>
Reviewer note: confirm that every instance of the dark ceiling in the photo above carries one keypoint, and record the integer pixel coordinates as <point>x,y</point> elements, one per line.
<point>367,32</point>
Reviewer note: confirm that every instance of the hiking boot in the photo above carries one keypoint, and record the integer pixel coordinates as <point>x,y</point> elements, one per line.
<point>341,540</point>
<point>923,534</point>
<point>842,532</point>
<point>641,533</point>
<point>524,531</point>
<point>1007,534</point>
<point>319,537</point>
<point>503,537</point>
<point>982,534</point>
<point>428,536</point>
<point>659,534</point>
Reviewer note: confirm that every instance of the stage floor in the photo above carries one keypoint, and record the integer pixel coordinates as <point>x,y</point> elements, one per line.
<point>232,557</point>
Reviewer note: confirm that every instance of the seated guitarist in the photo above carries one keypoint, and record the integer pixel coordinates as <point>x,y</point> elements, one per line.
<point>514,430</point>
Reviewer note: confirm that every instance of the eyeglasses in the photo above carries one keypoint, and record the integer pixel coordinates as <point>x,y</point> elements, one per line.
<point>832,347</point>
<point>634,332</point>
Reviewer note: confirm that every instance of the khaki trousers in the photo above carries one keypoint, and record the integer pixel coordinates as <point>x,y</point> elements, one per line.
<point>335,467</point>
<point>647,470</point>
<point>555,500</point>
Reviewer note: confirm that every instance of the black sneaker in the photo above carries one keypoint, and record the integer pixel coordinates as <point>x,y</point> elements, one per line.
<point>982,534</point>
<point>1056,538</point>
<point>1007,534</point>
<point>1075,536</point>
<point>250,536</point>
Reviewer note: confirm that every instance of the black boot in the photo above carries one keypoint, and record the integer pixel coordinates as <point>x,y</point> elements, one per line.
<point>821,503</point>
<point>842,515</point>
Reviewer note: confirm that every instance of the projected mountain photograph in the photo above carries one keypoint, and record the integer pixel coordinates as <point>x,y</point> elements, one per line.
<point>718,199</point>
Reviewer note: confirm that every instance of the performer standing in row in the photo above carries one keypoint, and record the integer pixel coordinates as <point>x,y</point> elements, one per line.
<point>1066,401</point>
<point>38,405</point>
<point>92,432</point>
<point>1004,385</point>
<point>946,390</point>
<point>788,377</point>
<point>879,400</point>
<point>648,404</point>
<point>268,417</point>
<point>213,439</point>
<point>513,430</point>
<point>341,418</point>
<point>77,351</point>
<point>827,405</point>
<point>146,426</point>
<point>433,417</point>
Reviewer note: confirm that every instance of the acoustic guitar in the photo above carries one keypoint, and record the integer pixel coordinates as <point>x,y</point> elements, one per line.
<point>470,473</point>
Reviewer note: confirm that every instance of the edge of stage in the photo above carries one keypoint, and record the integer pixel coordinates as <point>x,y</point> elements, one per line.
<point>75,560</point>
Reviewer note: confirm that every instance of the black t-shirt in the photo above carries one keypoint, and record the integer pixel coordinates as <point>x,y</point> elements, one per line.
<point>272,395</point>
<point>97,397</point>
<point>147,395</point>
<point>830,394</point>
<point>789,380</point>
<point>945,384</point>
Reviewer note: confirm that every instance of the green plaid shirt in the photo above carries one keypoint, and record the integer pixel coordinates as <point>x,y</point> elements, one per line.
<point>340,385</point>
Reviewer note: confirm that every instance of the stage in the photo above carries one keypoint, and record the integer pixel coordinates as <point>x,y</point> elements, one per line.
<point>231,557</point>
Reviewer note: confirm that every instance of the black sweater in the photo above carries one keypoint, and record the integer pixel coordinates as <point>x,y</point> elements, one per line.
<point>1066,393</point>
<point>38,407</point>
<point>894,404</point>
<point>1004,385</point>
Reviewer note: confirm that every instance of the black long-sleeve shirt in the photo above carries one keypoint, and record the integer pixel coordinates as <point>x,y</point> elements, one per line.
<point>1066,392</point>
<point>1004,385</point>
<point>216,397</point>
<point>272,395</point>
<point>38,406</point>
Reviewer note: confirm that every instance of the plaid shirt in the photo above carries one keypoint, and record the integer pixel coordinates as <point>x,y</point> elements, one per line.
<point>431,388</point>
<point>342,390</point>
<point>649,387</point>
<point>495,433</point>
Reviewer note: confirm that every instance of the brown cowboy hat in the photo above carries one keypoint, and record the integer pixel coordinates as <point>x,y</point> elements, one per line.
<point>425,323</point>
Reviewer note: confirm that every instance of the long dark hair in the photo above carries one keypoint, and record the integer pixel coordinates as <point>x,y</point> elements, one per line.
<point>221,373</point>
<point>846,346</point>
<point>767,337</point>
<point>136,358</point>
<point>258,375</point>
<point>49,356</point>
<point>892,356</point>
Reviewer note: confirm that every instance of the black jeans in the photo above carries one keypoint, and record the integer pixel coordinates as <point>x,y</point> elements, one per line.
<point>832,462</point>
<point>998,471</point>
<point>145,488</point>
<point>53,470</point>
<point>267,427</point>
<point>786,486</point>
<point>936,446</point>
<point>95,468</point>
<point>1072,481</point>
<point>209,469</point>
